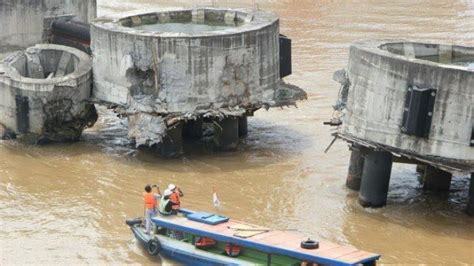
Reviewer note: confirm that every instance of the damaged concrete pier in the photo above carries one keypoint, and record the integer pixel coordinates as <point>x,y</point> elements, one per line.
<point>407,102</point>
<point>169,70</point>
<point>44,93</point>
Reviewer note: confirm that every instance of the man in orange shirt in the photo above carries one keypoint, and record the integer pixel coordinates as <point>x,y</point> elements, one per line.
<point>150,205</point>
<point>175,198</point>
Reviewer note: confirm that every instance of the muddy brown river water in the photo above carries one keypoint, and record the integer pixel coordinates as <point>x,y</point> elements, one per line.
<point>66,203</point>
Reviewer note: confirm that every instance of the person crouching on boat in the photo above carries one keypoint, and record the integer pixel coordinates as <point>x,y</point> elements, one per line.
<point>175,197</point>
<point>166,205</point>
<point>150,205</point>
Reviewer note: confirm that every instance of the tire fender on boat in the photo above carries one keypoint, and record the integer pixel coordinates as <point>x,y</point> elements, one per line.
<point>132,222</point>
<point>153,247</point>
<point>309,244</point>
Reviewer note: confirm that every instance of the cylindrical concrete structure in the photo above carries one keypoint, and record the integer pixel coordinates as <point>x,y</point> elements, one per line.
<point>356,167</point>
<point>375,179</point>
<point>44,93</point>
<point>436,179</point>
<point>186,63</point>
<point>23,22</point>
<point>226,133</point>
<point>243,126</point>
<point>413,98</point>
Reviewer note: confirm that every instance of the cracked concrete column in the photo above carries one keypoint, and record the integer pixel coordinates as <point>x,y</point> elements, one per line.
<point>356,165</point>
<point>172,144</point>
<point>375,179</point>
<point>243,126</point>
<point>192,129</point>
<point>470,202</point>
<point>436,179</point>
<point>226,133</point>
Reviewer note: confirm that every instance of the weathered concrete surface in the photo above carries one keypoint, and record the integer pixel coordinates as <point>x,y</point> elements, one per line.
<point>380,73</point>
<point>161,77</point>
<point>44,93</point>
<point>22,21</point>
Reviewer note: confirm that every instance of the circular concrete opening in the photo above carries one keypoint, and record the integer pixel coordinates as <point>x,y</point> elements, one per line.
<point>45,63</point>
<point>186,21</point>
<point>444,54</point>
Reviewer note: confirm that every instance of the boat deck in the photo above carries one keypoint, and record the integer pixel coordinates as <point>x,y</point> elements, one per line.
<point>269,241</point>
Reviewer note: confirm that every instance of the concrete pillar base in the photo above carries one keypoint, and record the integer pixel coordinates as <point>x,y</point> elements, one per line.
<point>354,175</point>
<point>243,126</point>
<point>470,201</point>
<point>5,133</point>
<point>226,133</point>
<point>172,144</point>
<point>192,129</point>
<point>436,179</point>
<point>375,179</point>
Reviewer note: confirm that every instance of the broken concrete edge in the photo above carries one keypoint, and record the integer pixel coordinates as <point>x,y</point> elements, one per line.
<point>83,68</point>
<point>255,20</point>
<point>453,166</point>
<point>158,124</point>
<point>377,47</point>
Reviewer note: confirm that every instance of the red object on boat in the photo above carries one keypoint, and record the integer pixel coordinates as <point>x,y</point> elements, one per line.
<point>205,242</point>
<point>232,250</point>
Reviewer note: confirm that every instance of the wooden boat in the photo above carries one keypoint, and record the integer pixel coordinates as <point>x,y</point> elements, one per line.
<point>198,238</point>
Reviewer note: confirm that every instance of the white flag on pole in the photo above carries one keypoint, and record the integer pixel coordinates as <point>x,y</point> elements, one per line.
<point>215,199</point>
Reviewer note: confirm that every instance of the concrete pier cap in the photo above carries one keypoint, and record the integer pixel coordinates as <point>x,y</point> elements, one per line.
<point>44,93</point>
<point>413,99</point>
<point>175,64</point>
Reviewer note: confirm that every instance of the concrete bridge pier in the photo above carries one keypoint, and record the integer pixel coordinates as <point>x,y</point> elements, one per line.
<point>226,133</point>
<point>470,201</point>
<point>356,166</point>
<point>375,179</point>
<point>436,179</point>
<point>192,129</point>
<point>172,144</point>
<point>243,126</point>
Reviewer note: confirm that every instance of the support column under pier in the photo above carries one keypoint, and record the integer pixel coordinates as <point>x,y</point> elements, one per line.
<point>420,168</point>
<point>243,126</point>
<point>172,144</point>
<point>192,129</point>
<point>375,179</point>
<point>470,201</point>
<point>226,133</point>
<point>436,179</point>
<point>5,133</point>
<point>356,165</point>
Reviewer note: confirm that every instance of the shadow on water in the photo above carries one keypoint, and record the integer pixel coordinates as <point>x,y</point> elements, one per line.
<point>266,142</point>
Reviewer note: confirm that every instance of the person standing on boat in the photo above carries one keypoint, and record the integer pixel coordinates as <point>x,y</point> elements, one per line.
<point>175,197</point>
<point>150,205</point>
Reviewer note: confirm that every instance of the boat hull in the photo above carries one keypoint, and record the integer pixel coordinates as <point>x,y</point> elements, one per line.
<point>184,252</point>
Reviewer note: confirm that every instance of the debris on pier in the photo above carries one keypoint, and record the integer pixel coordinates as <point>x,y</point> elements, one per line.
<point>44,94</point>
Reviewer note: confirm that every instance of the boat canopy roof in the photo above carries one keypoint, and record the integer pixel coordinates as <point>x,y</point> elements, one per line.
<point>267,240</point>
